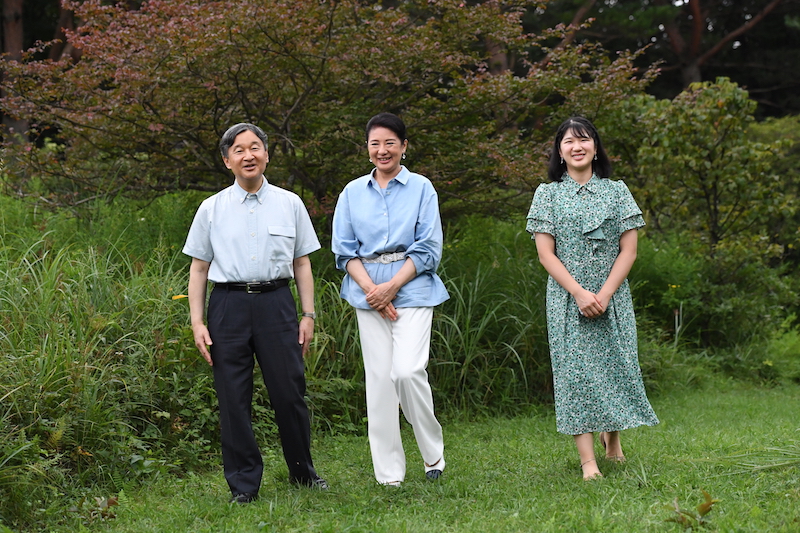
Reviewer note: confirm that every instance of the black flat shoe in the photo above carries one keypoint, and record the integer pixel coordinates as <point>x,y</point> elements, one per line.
<point>433,475</point>
<point>243,497</point>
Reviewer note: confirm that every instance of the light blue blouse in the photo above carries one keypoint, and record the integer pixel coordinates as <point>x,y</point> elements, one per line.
<point>404,217</point>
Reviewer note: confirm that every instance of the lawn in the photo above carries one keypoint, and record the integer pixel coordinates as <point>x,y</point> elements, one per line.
<point>520,475</point>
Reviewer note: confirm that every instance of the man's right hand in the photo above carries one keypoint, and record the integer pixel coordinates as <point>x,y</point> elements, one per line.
<point>202,340</point>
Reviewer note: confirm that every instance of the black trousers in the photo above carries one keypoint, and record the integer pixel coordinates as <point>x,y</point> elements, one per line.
<point>242,325</point>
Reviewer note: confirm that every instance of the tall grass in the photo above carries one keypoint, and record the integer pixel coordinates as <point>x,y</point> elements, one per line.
<point>101,386</point>
<point>95,374</point>
<point>101,383</point>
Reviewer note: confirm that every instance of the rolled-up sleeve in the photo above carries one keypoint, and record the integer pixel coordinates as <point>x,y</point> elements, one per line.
<point>403,217</point>
<point>426,251</point>
<point>344,243</point>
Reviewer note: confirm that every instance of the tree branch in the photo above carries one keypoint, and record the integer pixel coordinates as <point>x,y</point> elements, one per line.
<point>570,35</point>
<point>738,31</point>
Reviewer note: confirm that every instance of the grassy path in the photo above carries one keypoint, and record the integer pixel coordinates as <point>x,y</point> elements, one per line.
<point>520,475</point>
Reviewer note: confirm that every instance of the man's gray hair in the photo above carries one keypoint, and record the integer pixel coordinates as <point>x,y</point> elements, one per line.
<point>229,136</point>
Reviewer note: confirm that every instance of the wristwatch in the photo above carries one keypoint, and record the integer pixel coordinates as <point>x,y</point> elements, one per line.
<point>312,316</point>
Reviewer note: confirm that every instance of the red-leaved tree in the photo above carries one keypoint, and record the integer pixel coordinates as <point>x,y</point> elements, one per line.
<point>141,112</point>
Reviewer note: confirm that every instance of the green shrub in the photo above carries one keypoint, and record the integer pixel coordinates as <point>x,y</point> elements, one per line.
<point>768,359</point>
<point>783,351</point>
<point>665,283</point>
<point>733,299</point>
<point>490,350</point>
<point>101,385</point>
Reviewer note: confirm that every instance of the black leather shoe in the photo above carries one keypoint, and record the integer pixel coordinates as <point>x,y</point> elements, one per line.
<point>313,483</point>
<point>243,497</point>
<point>433,475</point>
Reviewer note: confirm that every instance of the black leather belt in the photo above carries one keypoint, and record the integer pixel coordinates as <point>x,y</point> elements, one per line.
<point>254,287</point>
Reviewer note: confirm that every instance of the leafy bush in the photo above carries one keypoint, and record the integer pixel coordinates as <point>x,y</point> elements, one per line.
<point>97,380</point>
<point>101,385</point>
<point>783,351</point>
<point>490,349</point>
<point>769,359</point>
<point>708,190</point>
<point>666,286</point>
<point>728,300</point>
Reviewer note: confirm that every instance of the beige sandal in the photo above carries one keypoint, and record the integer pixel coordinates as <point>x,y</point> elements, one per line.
<point>615,458</point>
<point>593,476</point>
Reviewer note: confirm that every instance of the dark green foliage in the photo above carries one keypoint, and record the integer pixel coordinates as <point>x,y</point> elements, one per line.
<point>712,197</point>
<point>783,224</point>
<point>142,111</point>
<point>731,299</point>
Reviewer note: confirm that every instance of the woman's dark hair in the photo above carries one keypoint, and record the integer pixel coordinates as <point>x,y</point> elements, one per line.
<point>581,127</point>
<point>229,136</point>
<point>388,121</point>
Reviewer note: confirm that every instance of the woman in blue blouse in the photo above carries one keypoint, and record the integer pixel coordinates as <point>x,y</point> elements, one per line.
<point>387,237</point>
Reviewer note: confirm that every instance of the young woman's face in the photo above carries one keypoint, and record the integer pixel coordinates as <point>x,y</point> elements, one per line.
<point>578,151</point>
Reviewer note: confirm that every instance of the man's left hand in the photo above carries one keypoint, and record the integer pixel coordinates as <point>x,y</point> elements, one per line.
<point>306,333</point>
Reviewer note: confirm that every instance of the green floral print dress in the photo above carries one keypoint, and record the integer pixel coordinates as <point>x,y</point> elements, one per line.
<point>596,376</point>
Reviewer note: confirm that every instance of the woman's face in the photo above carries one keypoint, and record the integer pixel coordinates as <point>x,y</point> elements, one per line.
<point>385,150</point>
<point>578,151</point>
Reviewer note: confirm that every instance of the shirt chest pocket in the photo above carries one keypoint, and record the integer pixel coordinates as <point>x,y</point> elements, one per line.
<point>282,242</point>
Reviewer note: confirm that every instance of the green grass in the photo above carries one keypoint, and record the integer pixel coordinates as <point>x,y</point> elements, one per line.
<point>102,393</point>
<point>518,474</point>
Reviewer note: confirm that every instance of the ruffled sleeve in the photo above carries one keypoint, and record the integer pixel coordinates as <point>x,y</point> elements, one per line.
<point>540,215</point>
<point>630,216</point>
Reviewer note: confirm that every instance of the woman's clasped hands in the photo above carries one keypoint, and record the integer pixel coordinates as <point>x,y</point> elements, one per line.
<point>590,305</point>
<point>380,297</point>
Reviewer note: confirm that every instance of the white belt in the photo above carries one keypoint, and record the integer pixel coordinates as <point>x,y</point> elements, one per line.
<point>385,258</point>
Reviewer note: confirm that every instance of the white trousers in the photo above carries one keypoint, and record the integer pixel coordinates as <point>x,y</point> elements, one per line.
<point>395,358</point>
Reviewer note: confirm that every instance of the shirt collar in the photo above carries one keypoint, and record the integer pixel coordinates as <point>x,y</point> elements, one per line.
<point>573,186</point>
<point>402,177</point>
<point>242,194</point>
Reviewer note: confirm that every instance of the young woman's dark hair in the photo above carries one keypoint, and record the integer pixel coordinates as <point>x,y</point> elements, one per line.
<point>580,127</point>
<point>388,121</point>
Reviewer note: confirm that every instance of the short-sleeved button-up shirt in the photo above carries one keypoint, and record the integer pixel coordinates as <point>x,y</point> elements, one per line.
<point>251,236</point>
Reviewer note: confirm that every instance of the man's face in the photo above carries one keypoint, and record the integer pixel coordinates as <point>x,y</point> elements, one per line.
<point>247,157</point>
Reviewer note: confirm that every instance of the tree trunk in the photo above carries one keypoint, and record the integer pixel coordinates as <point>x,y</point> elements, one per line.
<point>12,45</point>
<point>66,21</point>
<point>691,73</point>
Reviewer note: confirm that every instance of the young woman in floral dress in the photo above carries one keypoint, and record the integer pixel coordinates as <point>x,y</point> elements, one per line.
<point>585,228</point>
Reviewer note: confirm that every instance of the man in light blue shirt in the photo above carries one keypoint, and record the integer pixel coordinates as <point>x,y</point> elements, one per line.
<point>250,239</point>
